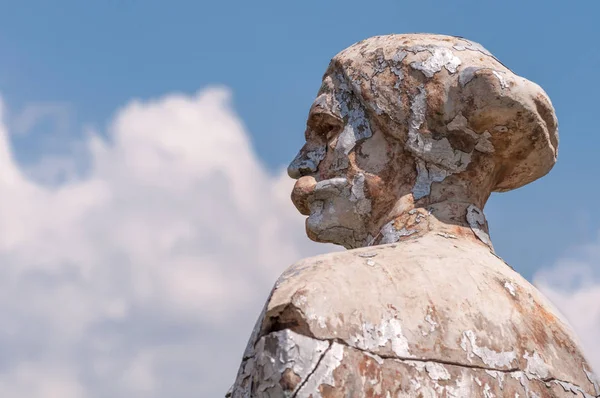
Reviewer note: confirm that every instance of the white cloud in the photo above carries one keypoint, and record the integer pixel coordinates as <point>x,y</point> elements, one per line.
<point>573,285</point>
<point>143,278</point>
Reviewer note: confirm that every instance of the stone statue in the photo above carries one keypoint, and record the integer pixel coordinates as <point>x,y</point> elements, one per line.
<point>406,140</point>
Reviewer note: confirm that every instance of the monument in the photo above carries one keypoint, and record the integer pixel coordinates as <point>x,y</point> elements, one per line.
<point>405,142</point>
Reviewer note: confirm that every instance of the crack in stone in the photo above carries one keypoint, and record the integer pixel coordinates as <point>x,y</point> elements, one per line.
<point>313,370</point>
<point>425,360</point>
<point>402,359</point>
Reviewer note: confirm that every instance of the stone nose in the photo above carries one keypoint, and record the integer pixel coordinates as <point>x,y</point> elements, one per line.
<point>307,161</point>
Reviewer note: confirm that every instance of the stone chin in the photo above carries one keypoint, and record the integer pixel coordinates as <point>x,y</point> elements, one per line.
<point>338,212</point>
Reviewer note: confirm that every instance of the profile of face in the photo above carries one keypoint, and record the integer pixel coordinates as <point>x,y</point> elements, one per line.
<point>404,122</point>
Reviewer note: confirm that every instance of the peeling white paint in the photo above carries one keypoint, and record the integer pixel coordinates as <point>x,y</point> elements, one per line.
<point>396,66</point>
<point>425,177</point>
<point>323,374</point>
<point>463,387</point>
<point>489,357</point>
<point>536,365</point>
<point>594,380</point>
<point>501,79</point>
<point>441,57</point>
<point>330,187</point>
<point>438,152</point>
<point>390,234</point>
<point>476,220</point>
<point>472,46</point>
<point>377,358</point>
<point>446,235</point>
<point>487,392</point>
<point>498,376</point>
<point>467,74</point>
<point>315,219</point>
<point>437,371</point>
<point>356,123</point>
<point>307,162</point>
<point>283,350</point>
<point>510,287</point>
<point>274,354</point>
<point>357,194</point>
<point>440,158</point>
<point>569,387</point>
<point>373,337</point>
<point>432,323</point>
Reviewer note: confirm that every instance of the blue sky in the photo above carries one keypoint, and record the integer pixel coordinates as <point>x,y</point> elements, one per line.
<point>70,67</point>
<point>95,56</point>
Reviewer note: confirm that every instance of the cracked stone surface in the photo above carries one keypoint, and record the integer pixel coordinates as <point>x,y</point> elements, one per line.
<point>394,308</point>
<point>407,138</point>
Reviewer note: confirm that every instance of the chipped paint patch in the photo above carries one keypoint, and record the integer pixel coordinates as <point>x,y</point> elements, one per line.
<point>277,354</point>
<point>357,195</point>
<point>440,158</point>
<point>489,357</point>
<point>476,220</point>
<point>501,79</point>
<point>446,235</point>
<point>390,234</point>
<point>437,371</point>
<point>439,152</point>
<point>441,57</point>
<point>372,337</point>
<point>593,379</point>
<point>498,376</point>
<point>432,323</point>
<point>323,374</point>
<point>356,123</point>
<point>425,177</point>
<point>467,74</point>
<point>487,391</point>
<point>510,287</point>
<point>396,66</point>
<point>307,162</point>
<point>472,46</point>
<point>536,365</point>
<point>569,387</point>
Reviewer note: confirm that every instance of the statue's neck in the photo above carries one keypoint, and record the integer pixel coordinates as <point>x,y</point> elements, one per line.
<point>453,220</point>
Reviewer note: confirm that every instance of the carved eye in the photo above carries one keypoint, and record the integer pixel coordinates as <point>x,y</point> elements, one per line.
<point>331,131</point>
<point>325,125</point>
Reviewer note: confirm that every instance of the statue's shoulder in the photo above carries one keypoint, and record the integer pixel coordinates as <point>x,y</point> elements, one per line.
<point>424,250</point>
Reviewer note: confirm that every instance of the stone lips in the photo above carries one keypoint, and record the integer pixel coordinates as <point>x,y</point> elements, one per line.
<point>505,117</point>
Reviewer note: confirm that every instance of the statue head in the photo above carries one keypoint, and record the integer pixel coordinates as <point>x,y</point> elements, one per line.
<point>405,126</point>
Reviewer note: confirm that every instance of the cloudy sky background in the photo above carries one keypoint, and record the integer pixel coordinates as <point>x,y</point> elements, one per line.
<point>145,210</point>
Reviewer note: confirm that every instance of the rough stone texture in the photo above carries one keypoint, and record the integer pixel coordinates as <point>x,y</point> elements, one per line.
<point>398,320</point>
<point>406,140</point>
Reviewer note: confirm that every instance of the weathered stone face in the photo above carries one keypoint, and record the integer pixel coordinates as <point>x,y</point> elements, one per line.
<point>405,121</point>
